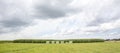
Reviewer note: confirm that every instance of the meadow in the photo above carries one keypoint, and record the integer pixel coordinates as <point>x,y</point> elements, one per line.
<point>101,47</point>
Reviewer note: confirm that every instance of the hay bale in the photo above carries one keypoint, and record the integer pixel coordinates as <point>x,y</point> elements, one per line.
<point>61,42</point>
<point>47,42</point>
<point>70,41</point>
<point>57,42</point>
<point>53,42</point>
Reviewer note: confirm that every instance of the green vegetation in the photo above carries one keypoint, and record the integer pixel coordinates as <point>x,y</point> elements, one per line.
<point>6,41</point>
<point>44,41</point>
<point>87,40</point>
<point>101,47</point>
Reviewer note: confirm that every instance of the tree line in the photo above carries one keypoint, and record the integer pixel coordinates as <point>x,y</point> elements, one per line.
<point>113,39</point>
<point>73,40</point>
<point>44,41</point>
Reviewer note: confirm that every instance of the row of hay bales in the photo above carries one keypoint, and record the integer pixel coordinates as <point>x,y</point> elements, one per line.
<point>59,41</point>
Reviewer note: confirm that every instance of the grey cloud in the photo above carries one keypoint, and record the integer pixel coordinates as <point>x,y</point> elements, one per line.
<point>106,14</point>
<point>59,9</point>
<point>99,21</point>
<point>13,17</point>
<point>13,23</point>
<point>117,30</point>
<point>117,2</point>
<point>113,33</point>
<point>50,12</point>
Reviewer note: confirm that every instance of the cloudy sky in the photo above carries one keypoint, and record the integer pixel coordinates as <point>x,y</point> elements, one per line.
<point>59,19</point>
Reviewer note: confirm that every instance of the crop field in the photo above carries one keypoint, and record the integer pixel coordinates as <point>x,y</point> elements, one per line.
<point>103,47</point>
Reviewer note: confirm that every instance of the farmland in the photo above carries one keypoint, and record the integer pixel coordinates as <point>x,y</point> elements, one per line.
<point>101,47</point>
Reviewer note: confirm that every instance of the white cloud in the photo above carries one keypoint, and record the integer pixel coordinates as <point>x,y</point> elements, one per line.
<point>94,19</point>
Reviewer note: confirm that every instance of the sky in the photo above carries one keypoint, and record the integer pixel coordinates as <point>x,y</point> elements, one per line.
<point>59,19</point>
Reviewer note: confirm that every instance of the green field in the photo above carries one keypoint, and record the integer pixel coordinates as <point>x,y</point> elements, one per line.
<point>105,47</point>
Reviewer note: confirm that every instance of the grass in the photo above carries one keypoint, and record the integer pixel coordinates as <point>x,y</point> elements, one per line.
<point>105,47</point>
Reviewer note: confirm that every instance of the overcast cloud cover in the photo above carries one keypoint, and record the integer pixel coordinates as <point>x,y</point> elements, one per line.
<point>59,19</point>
